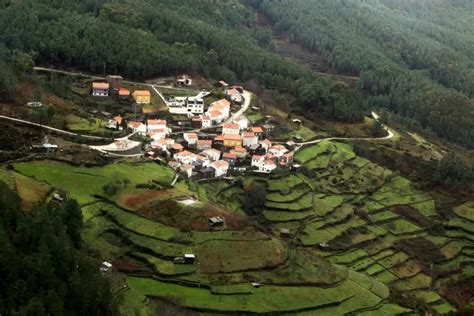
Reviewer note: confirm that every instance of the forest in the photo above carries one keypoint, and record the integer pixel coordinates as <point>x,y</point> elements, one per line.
<point>142,39</point>
<point>42,263</point>
<point>414,58</point>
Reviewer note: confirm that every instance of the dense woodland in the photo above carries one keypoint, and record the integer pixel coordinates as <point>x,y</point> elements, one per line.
<point>415,58</point>
<point>148,38</point>
<point>43,269</point>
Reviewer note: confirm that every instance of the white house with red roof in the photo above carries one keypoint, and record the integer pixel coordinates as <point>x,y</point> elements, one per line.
<point>187,169</point>
<point>278,150</point>
<point>185,157</point>
<point>212,154</point>
<point>230,129</point>
<point>268,165</point>
<point>234,95</point>
<point>191,138</point>
<point>257,160</point>
<point>220,167</point>
<point>242,121</point>
<point>100,89</point>
<point>266,144</point>
<point>206,121</point>
<point>138,127</point>
<point>219,111</point>
<point>204,144</point>
<point>157,134</point>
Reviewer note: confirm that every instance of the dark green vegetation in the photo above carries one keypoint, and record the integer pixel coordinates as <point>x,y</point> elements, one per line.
<point>414,58</point>
<point>149,38</point>
<point>42,263</point>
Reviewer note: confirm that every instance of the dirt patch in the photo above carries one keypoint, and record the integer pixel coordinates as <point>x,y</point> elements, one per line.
<point>137,201</point>
<point>422,250</point>
<point>413,215</point>
<point>127,266</point>
<point>459,292</point>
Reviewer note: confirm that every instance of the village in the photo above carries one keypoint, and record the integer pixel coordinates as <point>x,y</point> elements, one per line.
<point>216,142</point>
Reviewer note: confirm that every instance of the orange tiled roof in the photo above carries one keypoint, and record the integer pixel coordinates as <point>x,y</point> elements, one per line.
<point>142,93</point>
<point>100,85</point>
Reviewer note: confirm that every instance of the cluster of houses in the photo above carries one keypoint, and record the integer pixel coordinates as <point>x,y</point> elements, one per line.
<point>114,85</point>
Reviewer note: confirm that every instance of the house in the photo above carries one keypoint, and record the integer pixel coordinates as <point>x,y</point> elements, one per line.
<point>34,104</point>
<point>240,152</point>
<point>231,140</point>
<point>278,150</point>
<point>231,158</point>
<point>124,93</point>
<point>242,121</point>
<point>175,165</point>
<point>100,89</point>
<point>268,165</point>
<point>115,123</point>
<point>185,157</point>
<point>176,148</point>
<point>189,258</point>
<point>204,144</point>
<point>234,95</point>
<point>285,232</point>
<point>142,96</point>
<point>196,122</point>
<point>219,111</point>
<point>212,154</point>
<point>138,127</point>
<point>257,160</point>
<point>191,138</point>
<point>266,144</point>
<point>206,121</point>
<point>163,144</point>
<point>258,131</point>
<point>187,169</point>
<point>105,267</point>
<point>222,84</point>
<point>115,82</point>
<point>157,124</point>
<point>230,129</point>
<point>240,89</point>
<point>249,139</point>
<point>288,158</point>
<point>157,134</point>
<point>184,80</point>
<point>216,222</point>
<point>220,167</point>
<point>194,105</point>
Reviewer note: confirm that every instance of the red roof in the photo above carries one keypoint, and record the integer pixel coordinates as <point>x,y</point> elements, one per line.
<point>233,92</point>
<point>240,149</point>
<point>177,146</point>
<point>143,93</point>
<point>135,124</point>
<point>229,155</point>
<point>248,134</point>
<point>257,129</point>
<point>123,92</point>
<point>231,125</point>
<point>157,122</point>
<point>232,137</point>
<point>100,85</point>
<point>118,119</point>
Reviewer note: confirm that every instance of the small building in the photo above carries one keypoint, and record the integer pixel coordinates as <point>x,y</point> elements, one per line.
<point>231,140</point>
<point>45,147</point>
<point>258,131</point>
<point>157,134</point>
<point>176,148</point>
<point>240,152</point>
<point>216,222</point>
<point>57,197</point>
<point>288,158</point>
<point>185,157</point>
<point>266,144</point>
<point>222,84</point>
<point>100,89</point>
<point>36,104</point>
<point>115,82</point>
<point>249,139</point>
<point>191,138</point>
<point>285,232</point>
<point>105,267</point>
<point>189,258</point>
<point>124,93</point>
<point>267,166</point>
<point>220,167</point>
<point>212,154</point>
<point>231,158</point>
<point>257,160</point>
<point>278,150</point>
<point>230,129</point>
<point>187,169</point>
<point>184,80</point>
<point>242,121</point>
<point>142,96</point>
<point>204,144</point>
<point>206,121</point>
<point>234,95</point>
<point>138,127</point>
<point>175,165</point>
<point>194,105</point>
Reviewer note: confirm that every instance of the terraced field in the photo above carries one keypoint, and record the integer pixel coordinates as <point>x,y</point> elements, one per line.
<point>359,236</point>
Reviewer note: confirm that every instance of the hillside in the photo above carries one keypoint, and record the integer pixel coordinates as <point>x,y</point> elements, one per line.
<point>414,57</point>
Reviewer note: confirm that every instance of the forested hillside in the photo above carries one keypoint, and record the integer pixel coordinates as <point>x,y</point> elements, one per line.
<point>414,57</point>
<point>162,37</point>
<point>43,268</point>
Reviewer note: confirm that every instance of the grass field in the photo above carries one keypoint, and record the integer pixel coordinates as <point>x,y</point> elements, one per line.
<point>82,182</point>
<point>79,124</point>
